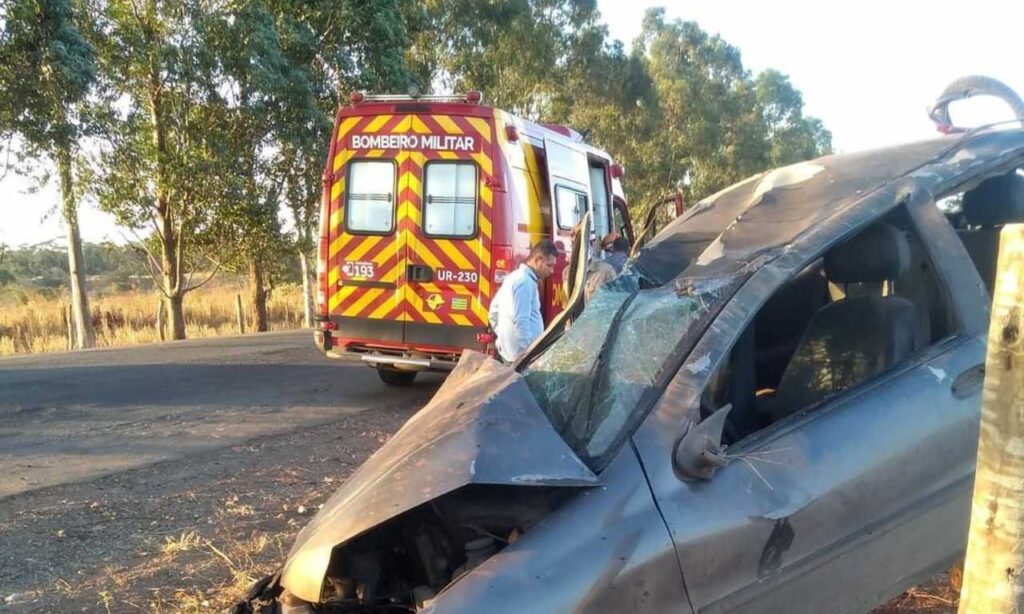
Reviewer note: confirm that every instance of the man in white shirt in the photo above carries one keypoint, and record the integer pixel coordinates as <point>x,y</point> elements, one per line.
<point>515,310</point>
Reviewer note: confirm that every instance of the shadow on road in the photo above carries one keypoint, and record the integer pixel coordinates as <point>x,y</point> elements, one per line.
<point>27,391</point>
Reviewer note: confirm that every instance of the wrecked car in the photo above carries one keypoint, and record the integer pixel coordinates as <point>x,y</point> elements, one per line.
<point>774,408</point>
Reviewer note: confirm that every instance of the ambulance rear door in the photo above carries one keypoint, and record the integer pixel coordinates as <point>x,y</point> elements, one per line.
<point>368,257</point>
<point>449,245</point>
<point>568,177</point>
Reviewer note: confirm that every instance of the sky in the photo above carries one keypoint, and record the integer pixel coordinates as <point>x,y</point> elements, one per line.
<point>868,69</point>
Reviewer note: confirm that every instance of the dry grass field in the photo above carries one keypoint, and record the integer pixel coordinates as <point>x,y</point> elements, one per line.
<point>33,320</point>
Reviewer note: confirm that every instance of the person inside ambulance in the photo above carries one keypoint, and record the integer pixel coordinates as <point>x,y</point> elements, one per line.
<point>515,310</point>
<point>616,250</point>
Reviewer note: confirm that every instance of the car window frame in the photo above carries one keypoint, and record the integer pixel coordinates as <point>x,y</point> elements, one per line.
<point>476,200</point>
<point>394,198</point>
<point>719,339</point>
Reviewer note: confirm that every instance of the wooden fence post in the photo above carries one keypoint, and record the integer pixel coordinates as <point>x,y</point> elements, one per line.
<point>69,326</point>
<point>161,327</point>
<point>994,568</point>
<point>239,314</point>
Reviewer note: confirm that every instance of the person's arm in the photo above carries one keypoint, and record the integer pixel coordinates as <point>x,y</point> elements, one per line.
<point>492,312</point>
<point>523,296</point>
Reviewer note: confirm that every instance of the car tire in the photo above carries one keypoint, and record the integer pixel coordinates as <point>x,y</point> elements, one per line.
<point>396,378</point>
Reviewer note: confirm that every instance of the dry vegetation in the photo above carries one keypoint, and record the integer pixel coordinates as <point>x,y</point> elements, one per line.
<point>33,320</point>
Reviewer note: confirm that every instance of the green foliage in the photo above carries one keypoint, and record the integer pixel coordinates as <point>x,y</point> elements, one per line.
<point>678,103</point>
<point>49,68</point>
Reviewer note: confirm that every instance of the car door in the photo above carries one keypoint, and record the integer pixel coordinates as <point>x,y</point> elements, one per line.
<point>838,507</point>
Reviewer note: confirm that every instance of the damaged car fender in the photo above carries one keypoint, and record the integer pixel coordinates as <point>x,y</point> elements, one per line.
<point>606,550</point>
<point>483,427</point>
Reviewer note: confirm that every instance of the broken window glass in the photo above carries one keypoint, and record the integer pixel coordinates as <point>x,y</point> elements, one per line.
<point>591,380</point>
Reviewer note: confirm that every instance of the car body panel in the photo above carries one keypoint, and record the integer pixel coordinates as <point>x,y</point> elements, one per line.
<point>853,501</point>
<point>482,427</point>
<point>606,550</point>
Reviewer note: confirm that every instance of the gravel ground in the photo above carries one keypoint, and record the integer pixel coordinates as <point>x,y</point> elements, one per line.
<point>182,535</point>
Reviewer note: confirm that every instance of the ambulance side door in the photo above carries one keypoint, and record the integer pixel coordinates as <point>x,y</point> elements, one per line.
<point>568,177</point>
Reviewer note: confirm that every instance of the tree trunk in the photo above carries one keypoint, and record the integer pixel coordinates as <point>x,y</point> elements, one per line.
<point>176,316</point>
<point>85,336</point>
<point>993,581</point>
<point>170,243</point>
<point>308,284</point>
<point>259,295</point>
<point>69,325</point>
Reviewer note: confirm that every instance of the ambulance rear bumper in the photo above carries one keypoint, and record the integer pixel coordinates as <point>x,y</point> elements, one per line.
<point>404,363</point>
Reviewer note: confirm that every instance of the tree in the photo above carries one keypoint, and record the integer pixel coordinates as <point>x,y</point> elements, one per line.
<point>167,164</point>
<point>44,90</point>
<point>793,137</point>
<point>323,50</point>
<point>681,103</point>
<point>458,46</point>
<point>5,276</point>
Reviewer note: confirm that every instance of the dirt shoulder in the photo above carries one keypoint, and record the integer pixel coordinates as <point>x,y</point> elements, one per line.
<point>184,535</point>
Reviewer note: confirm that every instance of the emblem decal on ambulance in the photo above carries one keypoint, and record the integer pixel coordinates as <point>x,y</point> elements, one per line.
<point>434,301</point>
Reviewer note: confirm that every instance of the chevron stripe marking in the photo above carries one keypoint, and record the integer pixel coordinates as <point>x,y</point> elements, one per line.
<point>484,162</point>
<point>377,123</point>
<point>347,125</point>
<point>364,300</point>
<point>447,124</point>
<point>337,297</point>
<point>337,188</point>
<point>481,126</point>
<point>366,245</point>
<point>338,244</point>
<point>453,253</point>
<point>341,158</point>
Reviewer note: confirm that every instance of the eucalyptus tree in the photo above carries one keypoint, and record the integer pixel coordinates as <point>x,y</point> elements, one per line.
<point>47,71</point>
<point>168,163</point>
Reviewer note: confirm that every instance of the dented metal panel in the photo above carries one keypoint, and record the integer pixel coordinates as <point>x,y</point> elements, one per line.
<point>806,509</point>
<point>482,427</point>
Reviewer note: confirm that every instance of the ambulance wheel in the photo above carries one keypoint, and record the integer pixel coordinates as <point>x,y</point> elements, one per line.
<point>396,378</point>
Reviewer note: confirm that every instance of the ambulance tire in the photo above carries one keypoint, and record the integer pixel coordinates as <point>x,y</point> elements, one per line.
<point>396,378</point>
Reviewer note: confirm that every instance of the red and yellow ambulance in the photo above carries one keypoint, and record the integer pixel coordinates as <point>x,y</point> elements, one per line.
<point>428,203</point>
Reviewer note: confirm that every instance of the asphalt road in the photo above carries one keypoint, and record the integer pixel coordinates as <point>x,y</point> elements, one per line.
<point>79,415</point>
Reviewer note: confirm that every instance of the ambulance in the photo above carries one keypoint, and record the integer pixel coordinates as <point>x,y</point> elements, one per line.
<point>428,203</point>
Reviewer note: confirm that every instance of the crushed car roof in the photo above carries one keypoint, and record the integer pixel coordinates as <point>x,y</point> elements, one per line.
<point>740,225</point>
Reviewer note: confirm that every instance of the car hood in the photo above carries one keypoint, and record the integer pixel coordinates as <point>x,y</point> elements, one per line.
<point>482,427</point>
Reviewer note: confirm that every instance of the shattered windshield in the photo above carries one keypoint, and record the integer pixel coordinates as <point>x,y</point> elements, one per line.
<point>590,381</point>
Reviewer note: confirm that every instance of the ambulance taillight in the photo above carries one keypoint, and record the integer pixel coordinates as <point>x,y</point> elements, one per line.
<point>321,279</point>
<point>503,262</point>
<point>321,256</point>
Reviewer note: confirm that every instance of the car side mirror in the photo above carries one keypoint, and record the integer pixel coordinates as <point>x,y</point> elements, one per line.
<point>698,451</point>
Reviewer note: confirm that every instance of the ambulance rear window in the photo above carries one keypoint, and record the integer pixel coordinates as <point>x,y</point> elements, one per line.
<point>570,205</point>
<point>449,199</point>
<point>370,204</point>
